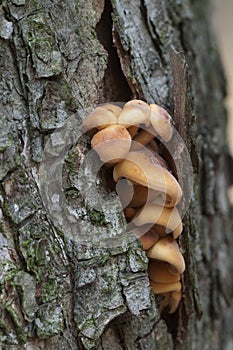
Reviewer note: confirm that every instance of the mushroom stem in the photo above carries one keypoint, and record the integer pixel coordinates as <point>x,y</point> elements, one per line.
<point>143,138</point>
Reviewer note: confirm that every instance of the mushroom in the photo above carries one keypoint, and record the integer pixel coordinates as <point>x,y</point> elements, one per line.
<point>170,300</point>
<point>100,118</point>
<point>112,143</point>
<point>134,195</point>
<point>135,112</point>
<point>161,122</point>
<point>144,170</point>
<point>158,271</point>
<point>172,294</point>
<point>132,130</point>
<point>112,108</point>
<point>148,239</point>
<point>143,138</point>
<point>167,249</point>
<point>169,218</point>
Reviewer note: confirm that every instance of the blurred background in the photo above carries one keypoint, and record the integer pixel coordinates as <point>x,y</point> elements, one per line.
<point>223,25</point>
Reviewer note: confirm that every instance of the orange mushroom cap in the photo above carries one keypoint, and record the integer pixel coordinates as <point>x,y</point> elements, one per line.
<point>167,249</point>
<point>145,170</point>
<point>112,143</point>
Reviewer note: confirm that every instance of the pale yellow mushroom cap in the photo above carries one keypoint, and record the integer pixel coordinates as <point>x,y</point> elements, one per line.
<point>167,249</point>
<point>100,118</point>
<point>161,122</point>
<point>112,108</point>
<point>112,143</point>
<point>135,112</point>
<point>156,214</point>
<point>142,169</point>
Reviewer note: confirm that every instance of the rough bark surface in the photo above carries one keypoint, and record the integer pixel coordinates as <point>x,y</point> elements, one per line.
<point>57,59</point>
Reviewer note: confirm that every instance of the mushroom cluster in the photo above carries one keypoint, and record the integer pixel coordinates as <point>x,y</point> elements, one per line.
<point>125,140</point>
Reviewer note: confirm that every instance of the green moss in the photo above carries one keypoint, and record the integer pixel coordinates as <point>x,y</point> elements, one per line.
<point>96,217</point>
<point>17,322</point>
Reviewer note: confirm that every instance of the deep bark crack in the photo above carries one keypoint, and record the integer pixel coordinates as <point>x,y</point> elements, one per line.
<point>115,86</point>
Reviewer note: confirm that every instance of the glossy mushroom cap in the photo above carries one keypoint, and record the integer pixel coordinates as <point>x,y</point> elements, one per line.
<point>169,218</point>
<point>143,138</point>
<point>167,249</point>
<point>135,112</point>
<point>161,122</point>
<point>146,171</point>
<point>100,118</point>
<point>112,143</point>
<point>158,271</point>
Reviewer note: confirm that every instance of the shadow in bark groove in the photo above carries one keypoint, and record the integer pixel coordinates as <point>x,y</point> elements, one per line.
<point>115,86</point>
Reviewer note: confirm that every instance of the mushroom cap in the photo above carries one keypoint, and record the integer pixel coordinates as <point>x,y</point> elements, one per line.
<point>135,112</point>
<point>112,143</point>
<point>156,214</point>
<point>134,195</point>
<point>161,122</point>
<point>159,288</point>
<point>143,138</point>
<point>149,239</point>
<point>170,300</point>
<point>142,169</point>
<point>112,108</point>
<point>167,249</point>
<point>158,271</point>
<point>100,118</point>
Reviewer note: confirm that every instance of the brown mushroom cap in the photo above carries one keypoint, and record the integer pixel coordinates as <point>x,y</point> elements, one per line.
<point>158,271</point>
<point>144,170</point>
<point>161,122</point>
<point>100,118</point>
<point>112,143</point>
<point>149,239</point>
<point>135,112</point>
<point>159,288</point>
<point>156,214</point>
<point>167,249</point>
<point>170,300</point>
<point>143,138</point>
<point>132,130</point>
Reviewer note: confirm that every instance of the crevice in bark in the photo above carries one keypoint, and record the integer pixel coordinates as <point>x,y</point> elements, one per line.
<point>155,38</point>
<point>115,86</point>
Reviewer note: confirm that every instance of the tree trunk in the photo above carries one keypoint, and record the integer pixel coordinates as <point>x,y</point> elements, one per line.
<point>57,60</point>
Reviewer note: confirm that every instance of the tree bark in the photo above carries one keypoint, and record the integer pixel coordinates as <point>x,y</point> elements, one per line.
<point>57,60</point>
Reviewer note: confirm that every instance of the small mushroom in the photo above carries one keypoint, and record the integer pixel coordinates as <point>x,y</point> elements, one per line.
<point>167,249</point>
<point>161,122</point>
<point>135,112</point>
<point>112,108</point>
<point>132,130</point>
<point>143,138</point>
<point>170,300</point>
<point>112,143</point>
<point>100,118</point>
<point>158,271</point>
<point>149,239</point>
<point>159,288</point>
<point>142,169</point>
<point>169,218</point>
